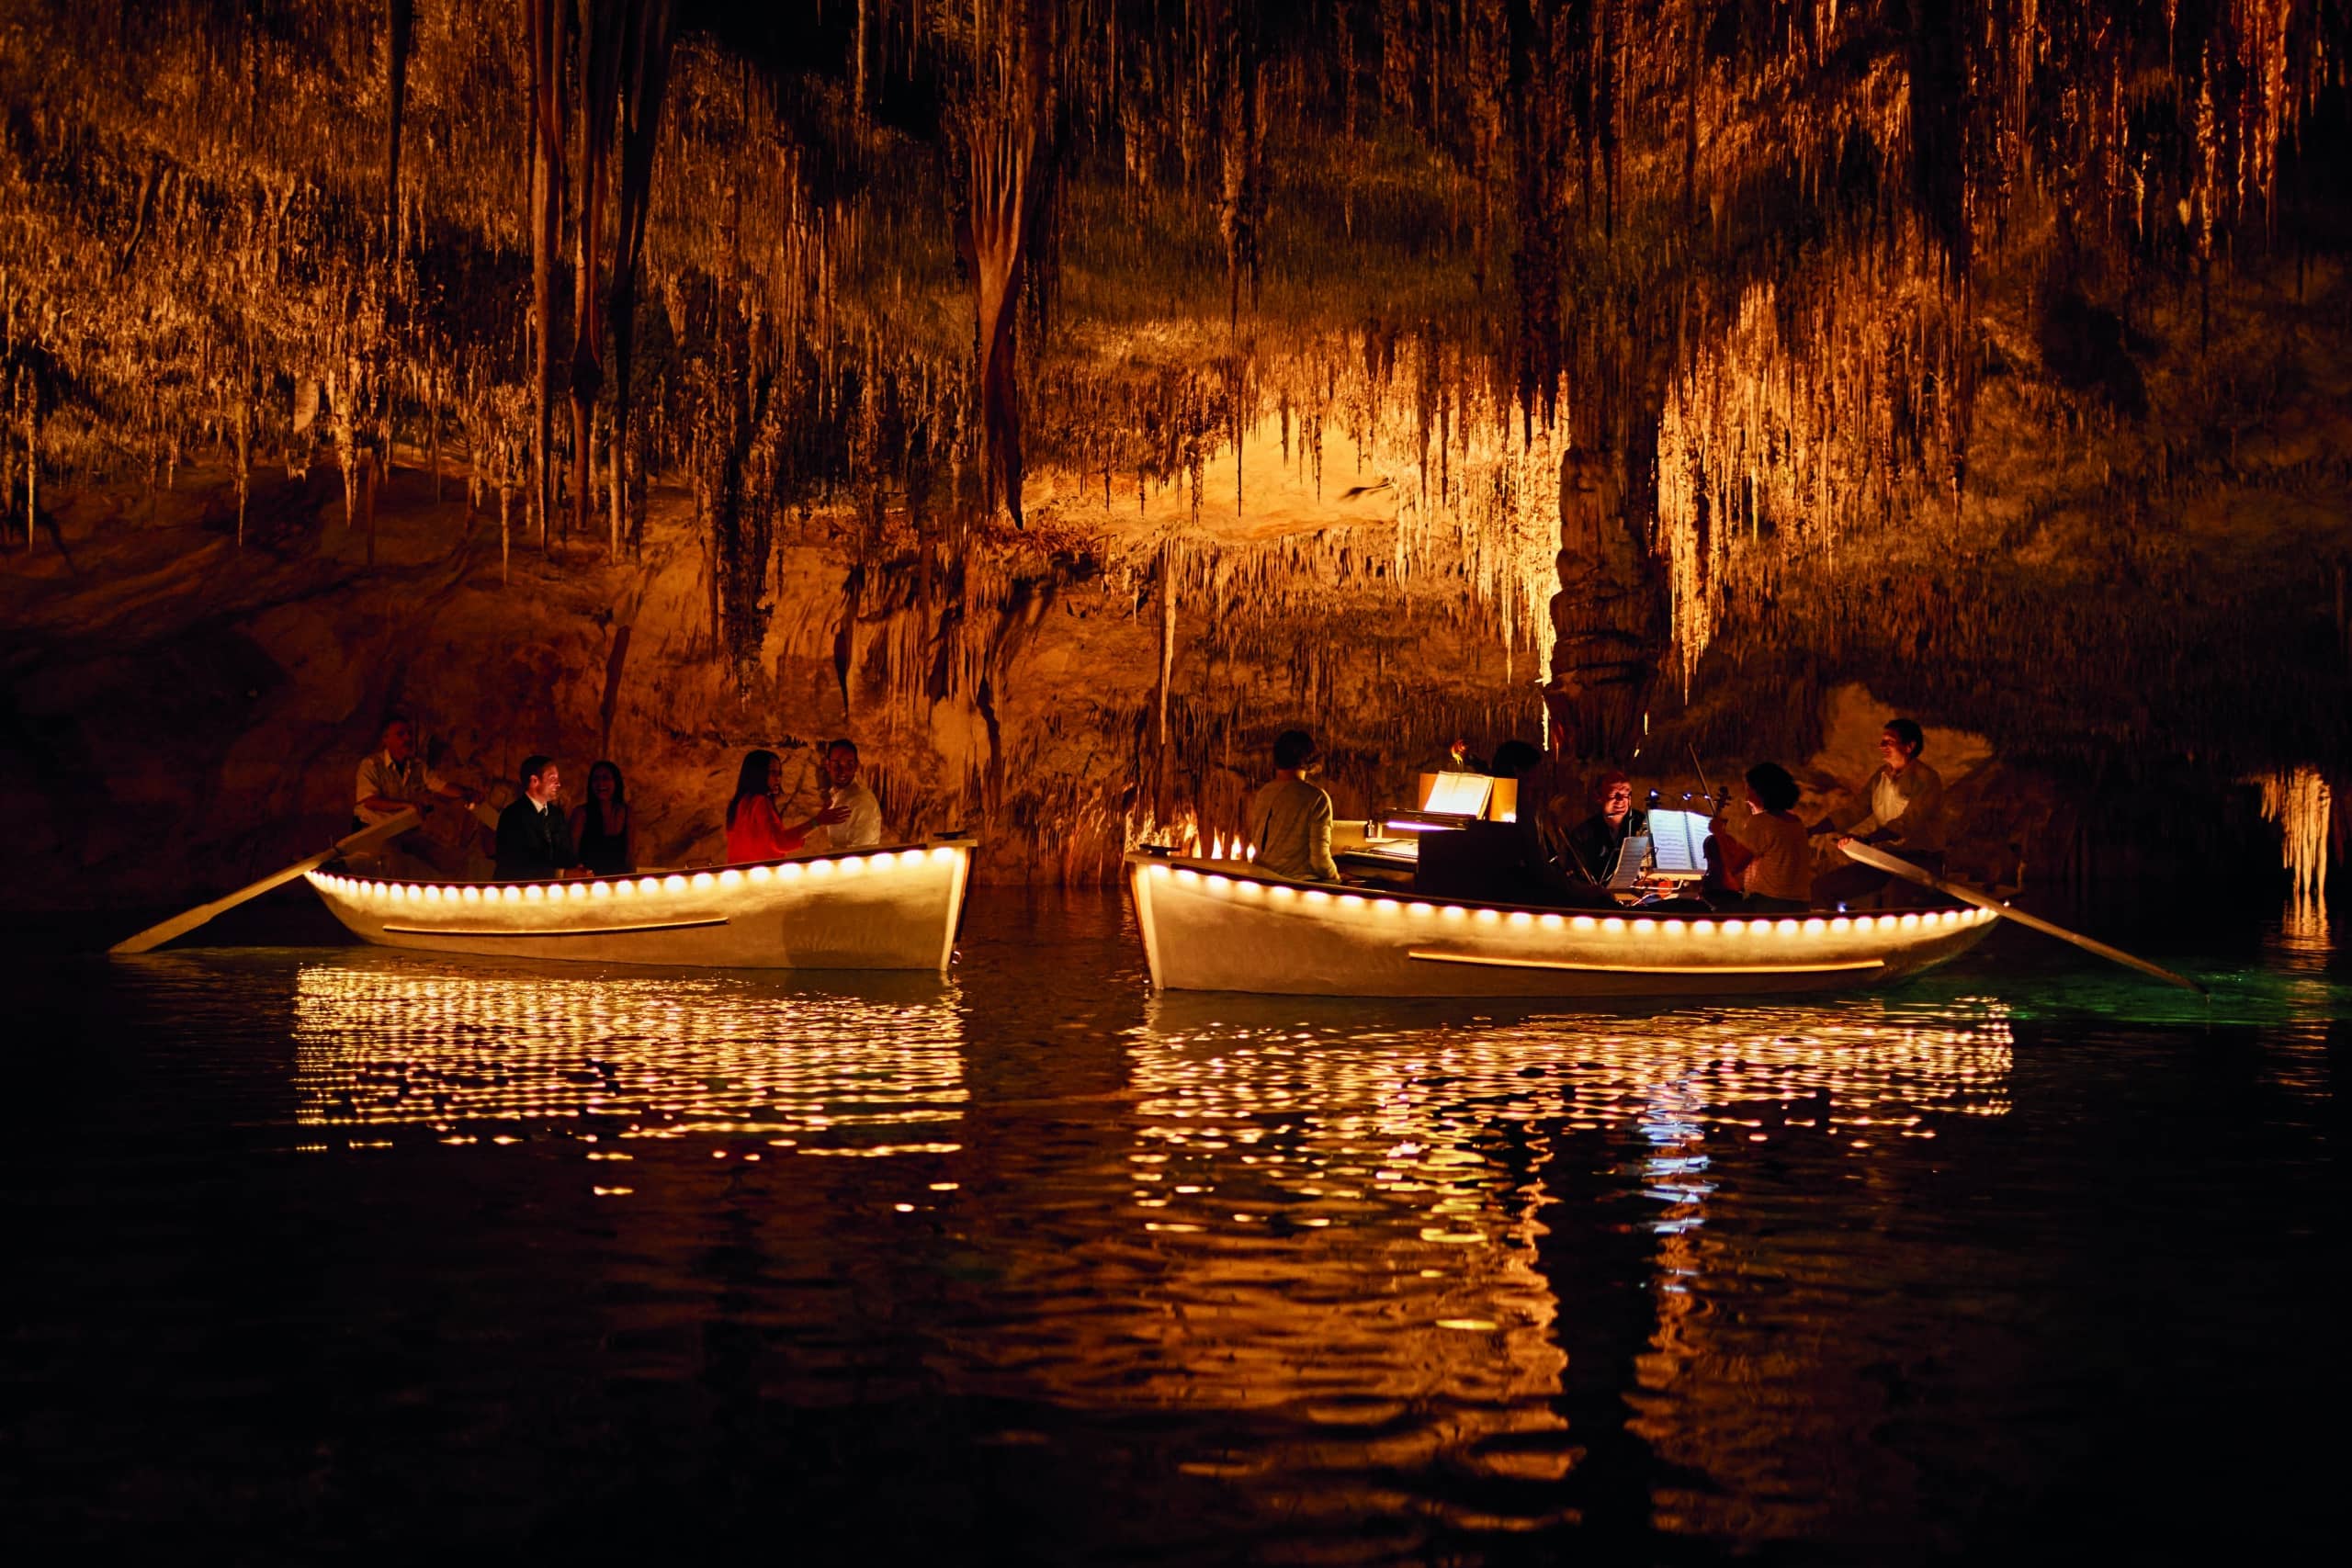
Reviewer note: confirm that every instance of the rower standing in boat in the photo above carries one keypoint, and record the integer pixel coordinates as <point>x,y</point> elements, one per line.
<point>394,779</point>
<point>534,840</point>
<point>1290,820</point>
<point>1902,808</point>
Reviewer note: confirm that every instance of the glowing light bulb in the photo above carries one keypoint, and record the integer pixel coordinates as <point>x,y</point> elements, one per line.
<point>731,877</point>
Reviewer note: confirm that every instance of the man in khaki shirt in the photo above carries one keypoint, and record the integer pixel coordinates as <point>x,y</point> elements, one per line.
<point>1902,808</point>
<point>391,781</point>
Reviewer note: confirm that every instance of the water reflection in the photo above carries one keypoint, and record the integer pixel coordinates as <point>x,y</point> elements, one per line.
<point>871,1066</point>
<point>1353,1224</point>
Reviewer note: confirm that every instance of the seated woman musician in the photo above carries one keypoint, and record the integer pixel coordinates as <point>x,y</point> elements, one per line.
<point>1763,860</point>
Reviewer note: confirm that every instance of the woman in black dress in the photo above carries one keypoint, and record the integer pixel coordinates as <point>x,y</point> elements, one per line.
<point>600,824</point>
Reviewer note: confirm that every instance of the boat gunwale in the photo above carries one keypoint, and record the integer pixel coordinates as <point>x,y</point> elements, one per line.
<point>1140,859</point>
<point>318,875</point>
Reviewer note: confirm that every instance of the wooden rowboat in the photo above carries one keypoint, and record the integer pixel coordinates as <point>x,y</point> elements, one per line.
<point>1222,925</point>
<point>891,908</point>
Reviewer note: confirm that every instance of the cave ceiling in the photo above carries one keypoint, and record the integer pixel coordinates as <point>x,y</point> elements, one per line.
<point>1287,300</point>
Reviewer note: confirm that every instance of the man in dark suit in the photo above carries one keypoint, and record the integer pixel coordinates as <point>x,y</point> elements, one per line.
<point>534,840</point>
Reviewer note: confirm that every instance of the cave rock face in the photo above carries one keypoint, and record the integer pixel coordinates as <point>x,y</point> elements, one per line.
<point>1607,618</point>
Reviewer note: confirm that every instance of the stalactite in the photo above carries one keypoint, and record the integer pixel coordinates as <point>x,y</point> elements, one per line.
<point>2299,801</point>
<point>543,42</point>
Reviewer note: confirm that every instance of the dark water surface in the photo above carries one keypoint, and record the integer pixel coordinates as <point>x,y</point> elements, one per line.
<point>329,1251</point>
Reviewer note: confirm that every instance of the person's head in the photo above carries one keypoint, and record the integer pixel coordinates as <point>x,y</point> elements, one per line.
<point>399,737</point>
<point>1613,796</point>
<point>604,785</point>
<point>1900,743</point>
<point>540,778</point>
<point>1513,758</point>
<point>1769,786</point>
<point>1294,751</point>
<point>840,763</point>
<point>762,774</point>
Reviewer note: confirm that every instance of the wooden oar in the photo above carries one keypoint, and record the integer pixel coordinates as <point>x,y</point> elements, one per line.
<point>179,925</point>
<point>1870,855</point>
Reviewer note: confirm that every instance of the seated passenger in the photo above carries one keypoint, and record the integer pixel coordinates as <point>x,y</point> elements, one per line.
<point>756,829</point>
<point>1290,820</point>
<point>1902,808</point>
<point>534,841</point>
<point>600,824</point>
<point>863,827</point>
<point>1766,854</point>
<point>1594,844</point>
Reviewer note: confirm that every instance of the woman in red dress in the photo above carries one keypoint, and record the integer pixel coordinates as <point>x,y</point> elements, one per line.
<point>755,829</point>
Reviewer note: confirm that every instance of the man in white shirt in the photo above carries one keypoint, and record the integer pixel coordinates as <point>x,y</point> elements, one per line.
<point>1901,807</point>
<point>844,788</point>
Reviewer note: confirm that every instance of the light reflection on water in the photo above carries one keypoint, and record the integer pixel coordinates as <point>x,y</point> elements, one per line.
<point>382,1041</point>
<point>1232,1277</point>
<point>1346,1218</point>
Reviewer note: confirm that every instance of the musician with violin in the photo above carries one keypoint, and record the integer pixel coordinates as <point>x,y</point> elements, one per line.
<point>1764,858</point>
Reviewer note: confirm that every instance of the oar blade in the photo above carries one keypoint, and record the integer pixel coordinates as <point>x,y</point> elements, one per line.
<point>1895,866</point>
<point>156,935</point>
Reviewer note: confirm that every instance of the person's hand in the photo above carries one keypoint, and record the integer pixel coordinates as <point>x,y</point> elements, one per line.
<point>831,815</point>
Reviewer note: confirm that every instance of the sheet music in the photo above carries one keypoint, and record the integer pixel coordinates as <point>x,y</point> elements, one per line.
<point>1459,794</point>
<point>1679,839</point>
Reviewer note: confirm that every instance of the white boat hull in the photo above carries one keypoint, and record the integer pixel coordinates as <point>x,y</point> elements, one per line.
<point>1221,926</point>
<point>883,908</point>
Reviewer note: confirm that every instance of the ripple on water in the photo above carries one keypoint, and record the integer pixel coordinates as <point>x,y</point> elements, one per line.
<point>1216,1275</point>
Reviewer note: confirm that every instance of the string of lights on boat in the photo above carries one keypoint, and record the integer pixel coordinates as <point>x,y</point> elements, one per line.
<point>384,890</point>
<point>1641,928</point>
